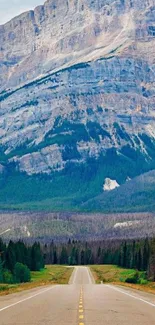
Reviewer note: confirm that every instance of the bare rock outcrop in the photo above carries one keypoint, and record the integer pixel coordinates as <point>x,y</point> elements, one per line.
<point>77,78</point>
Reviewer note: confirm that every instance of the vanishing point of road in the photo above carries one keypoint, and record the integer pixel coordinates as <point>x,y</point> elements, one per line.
<point>81,302</point>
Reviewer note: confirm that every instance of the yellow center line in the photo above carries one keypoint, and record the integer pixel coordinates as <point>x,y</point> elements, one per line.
<point>81,316</point>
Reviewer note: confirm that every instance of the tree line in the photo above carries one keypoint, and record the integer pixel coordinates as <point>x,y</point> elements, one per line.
<point>133,254</point>
<point>17,260</point>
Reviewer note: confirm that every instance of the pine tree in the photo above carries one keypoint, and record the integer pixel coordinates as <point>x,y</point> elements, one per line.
<point>73,257</point>
<point>82,257</point>
<point>139,260</point>
<point>10,256</point>
<point>146,255</point>
<point>1,270</point>
<point>64,256</point>
<point>36,257</point>
<point>99,255</point>
<point>55,258</point>
<point>151,272</point>
<point>21,273</point>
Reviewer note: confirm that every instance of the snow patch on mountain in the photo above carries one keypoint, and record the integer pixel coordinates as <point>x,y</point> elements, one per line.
<point>110,184</point>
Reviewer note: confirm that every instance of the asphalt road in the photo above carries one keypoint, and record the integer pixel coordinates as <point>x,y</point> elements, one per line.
<point>79,303</point>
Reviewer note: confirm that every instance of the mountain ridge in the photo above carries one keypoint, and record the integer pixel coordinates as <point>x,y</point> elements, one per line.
<point>55,12</point>
<point>77,98</point>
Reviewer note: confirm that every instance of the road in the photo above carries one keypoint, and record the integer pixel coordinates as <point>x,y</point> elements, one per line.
<point>80,303</point>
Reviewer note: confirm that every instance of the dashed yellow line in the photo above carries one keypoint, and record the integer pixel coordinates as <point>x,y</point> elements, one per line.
<point>81,315</point>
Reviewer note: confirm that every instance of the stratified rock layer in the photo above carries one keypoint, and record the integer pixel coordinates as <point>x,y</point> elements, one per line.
<point>77,78</point>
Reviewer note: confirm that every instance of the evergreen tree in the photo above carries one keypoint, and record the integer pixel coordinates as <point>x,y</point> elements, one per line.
<point>1,270</point>
<point>55,258</point>
<point>151,268</point>
<point>73,257</point>
<point>139,260</point>
<point>124,262</point>
<point>146,254</point>
<point>99,255</point>
<point>21,273</point>
<point>10,256</point>
<point>82,257</point>
<point>63,256</point>
<point>36,257</point>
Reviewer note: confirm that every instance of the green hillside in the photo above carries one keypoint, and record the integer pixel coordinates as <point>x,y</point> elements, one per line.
<point>79,187</point>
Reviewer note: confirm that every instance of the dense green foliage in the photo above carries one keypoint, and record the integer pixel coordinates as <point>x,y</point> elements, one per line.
<point>16,261</point>
<point>70,189</point>
<point>131,254</point>
<point>21,273</point>
<point>79,187</point>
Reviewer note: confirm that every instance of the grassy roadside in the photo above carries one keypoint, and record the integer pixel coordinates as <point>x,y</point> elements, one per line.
<point>52,274</point>
<point>117,275</point>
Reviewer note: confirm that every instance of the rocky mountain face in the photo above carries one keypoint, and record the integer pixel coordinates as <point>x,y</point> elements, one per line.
<point>77,87</point>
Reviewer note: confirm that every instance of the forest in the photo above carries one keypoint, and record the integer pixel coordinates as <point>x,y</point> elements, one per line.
<point>18,258</point>
<point>132,254</point>
<point>44,227</point>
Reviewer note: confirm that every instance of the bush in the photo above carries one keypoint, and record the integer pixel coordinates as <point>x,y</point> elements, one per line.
<point>3,287</point>
<point>143,281</point>
<point>8,277</point>
<point>133,279</point>
<point>21,273</point>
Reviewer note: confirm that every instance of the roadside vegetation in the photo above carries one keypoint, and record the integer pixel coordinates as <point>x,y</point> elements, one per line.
<point>50,275</point>
<point>22,267</point>
<point>17,260</point>
<point>121,276</point>
<point>23,263</point>
<point>130,254</point>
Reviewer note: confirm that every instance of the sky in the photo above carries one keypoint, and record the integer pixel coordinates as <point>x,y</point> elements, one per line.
<point>12,8</point>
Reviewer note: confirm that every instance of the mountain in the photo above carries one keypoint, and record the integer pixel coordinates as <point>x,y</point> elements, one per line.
<point>77,96</point>
<point>135,195</point>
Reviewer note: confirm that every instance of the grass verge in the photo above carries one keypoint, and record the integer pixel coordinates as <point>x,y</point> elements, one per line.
<point>117,275</point>
<point>52,274</point>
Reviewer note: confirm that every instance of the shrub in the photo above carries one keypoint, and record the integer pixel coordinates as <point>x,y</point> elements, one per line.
<point>143,281</point>
<point>21,273</point>
<point>3,287</point>
<point>8,277</point>
<point>133,279</point>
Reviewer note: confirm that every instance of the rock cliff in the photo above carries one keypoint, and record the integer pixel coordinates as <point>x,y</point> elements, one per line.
<point>77,79</point>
